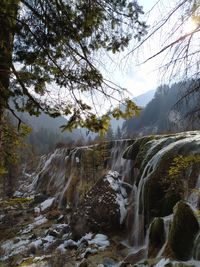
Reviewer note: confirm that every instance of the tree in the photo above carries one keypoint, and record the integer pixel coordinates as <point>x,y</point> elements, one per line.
<point>56,42</point>
<point>12,144</point>
<point>178,31</point>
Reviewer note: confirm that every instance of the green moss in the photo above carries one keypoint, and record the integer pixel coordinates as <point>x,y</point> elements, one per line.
<point>156,236</point>
<point>183,231</point>
<point>12,202</point>
<point>26,262</point>
<point>136,150</point>
<point>156,202</point>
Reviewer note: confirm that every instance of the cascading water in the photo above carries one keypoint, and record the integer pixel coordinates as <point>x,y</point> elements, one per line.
<point>73,163</point>
<point>161,146</point>
<point>117,163</point>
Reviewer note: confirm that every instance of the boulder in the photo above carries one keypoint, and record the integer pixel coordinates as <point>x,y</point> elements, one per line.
<point>182,232</point>
<point>156,237</point>
<point>103,208</point>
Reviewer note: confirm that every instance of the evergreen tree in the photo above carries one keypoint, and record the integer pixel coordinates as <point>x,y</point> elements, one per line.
<point>56,42</point>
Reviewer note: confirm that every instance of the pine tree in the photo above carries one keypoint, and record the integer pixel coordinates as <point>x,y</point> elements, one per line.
<point>56,42</point>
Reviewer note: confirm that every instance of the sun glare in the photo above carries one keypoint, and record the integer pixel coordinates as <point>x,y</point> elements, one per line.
<point>190,26</point>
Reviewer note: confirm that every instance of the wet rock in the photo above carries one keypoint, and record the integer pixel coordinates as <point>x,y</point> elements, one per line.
<point>156,237</point>
<point>182,232</point>
<point>61,219</point>
<point>53,233</point>
<point>39,198</point>
<point>16,240</point>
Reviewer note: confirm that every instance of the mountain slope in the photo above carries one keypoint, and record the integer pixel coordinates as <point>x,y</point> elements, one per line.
<point>141,100</point>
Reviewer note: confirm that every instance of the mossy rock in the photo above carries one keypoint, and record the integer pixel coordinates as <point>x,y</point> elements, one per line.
<point>137,148</point>
<point>156,237</point>
<point>183,231</point>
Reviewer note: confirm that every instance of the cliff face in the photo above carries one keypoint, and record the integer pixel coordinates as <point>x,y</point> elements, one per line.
<point>127,189</point>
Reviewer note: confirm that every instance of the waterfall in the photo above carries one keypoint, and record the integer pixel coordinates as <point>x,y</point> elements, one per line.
<point>56,174</point>
<point>167,220</point>
<point>164,145</point>
<point>117,163</point>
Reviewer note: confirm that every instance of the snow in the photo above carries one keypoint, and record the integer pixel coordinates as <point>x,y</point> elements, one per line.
<point>121,197</point>
<point>88,251</point>
<point>18,194</point>
<point>11,248</point>
<point>70,243</point>
<point>38,221</point>
<point>37,243</point>
<point>162,263</point>
<point>45,205</point>
<point>61,248</point>
<point>100,240</point>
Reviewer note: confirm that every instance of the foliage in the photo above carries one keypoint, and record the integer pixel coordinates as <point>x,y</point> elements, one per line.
<point>181,164</point>
<point>12,143</point>
<point>179,171</point>
<point>58,43</point>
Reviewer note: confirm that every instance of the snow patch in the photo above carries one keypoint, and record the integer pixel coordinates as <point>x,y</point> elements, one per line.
<point>38,221</point>
<point>45,205</point>
<point>12,248</point>
<point>100,240</point>
<point>162,263</point>
<point>121,197</point>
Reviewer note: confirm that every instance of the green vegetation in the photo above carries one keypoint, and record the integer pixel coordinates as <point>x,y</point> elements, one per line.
<point>15,202</point>
<point>12,145</point>
<point>180,164</point>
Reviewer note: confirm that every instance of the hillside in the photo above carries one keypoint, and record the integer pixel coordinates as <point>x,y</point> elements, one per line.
<point>141,100</point>
<point>162,114</point>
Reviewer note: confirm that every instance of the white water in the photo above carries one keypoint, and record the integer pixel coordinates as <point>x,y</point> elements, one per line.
<point>117,163</point>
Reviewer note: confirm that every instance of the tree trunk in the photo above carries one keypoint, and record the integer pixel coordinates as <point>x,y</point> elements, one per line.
<point>8,15</point>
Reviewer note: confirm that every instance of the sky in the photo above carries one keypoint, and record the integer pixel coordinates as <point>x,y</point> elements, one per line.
<point>127,71</point>
<point>138,79</point>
